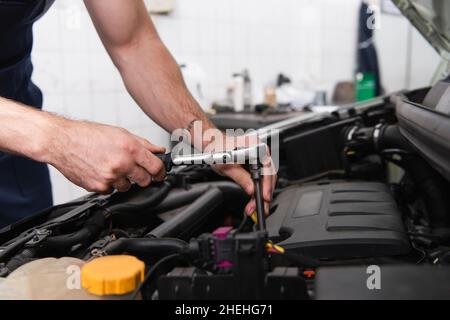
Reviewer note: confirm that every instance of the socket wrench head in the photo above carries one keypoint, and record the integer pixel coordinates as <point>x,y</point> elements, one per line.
<point>248,155</point>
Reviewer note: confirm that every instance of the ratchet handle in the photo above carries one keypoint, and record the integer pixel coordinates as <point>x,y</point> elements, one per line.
<point>166,159</point>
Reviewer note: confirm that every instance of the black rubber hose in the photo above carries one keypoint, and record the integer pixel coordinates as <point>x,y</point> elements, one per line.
<point>11,249</point>
<point>68,240</point>
<point>197,211</point>
<point>430,184</point>
<point>390,137</point>
<point>27,255</point>
<point>92,227</point>
<point>144,200</point>
<point>139,246</point>
<point>181,197</point>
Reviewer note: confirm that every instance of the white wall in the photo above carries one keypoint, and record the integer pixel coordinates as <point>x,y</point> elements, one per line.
<point>313,41</point>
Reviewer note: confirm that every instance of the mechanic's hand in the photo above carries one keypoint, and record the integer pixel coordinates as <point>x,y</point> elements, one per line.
<point>101,158</point>
<point>241,176</point>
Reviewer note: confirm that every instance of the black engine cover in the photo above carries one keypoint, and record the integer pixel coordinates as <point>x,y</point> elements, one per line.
<point>339,221</point>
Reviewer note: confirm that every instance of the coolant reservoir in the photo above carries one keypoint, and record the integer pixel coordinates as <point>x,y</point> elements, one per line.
<point>46,279</point>
<point>104,278</point>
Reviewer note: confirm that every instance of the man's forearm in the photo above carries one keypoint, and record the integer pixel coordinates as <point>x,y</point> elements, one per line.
<point>149,71</point>
<point>153,78</point>
<point>24,130</point>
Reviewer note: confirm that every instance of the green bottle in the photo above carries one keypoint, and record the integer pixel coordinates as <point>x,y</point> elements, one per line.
<point>365,86</point>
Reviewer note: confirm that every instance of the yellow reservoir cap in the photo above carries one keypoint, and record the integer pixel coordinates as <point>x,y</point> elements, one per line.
<point>112,275</point>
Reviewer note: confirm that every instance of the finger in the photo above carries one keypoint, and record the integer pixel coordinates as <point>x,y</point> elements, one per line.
<point>140,176</point>
<point>152,164</point>
<point>150,146</point>
<point>250,207</point>
<point>274,182</point>
<point>122,185</point>
<point>240,176</point>
<point>267,160</point>
<point>266,208</point>
<point>269,177</point>
<point>267,186</point>
<point>103,189</point>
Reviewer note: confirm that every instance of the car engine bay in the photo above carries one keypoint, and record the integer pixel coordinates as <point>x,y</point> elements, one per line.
<point>365,185</point>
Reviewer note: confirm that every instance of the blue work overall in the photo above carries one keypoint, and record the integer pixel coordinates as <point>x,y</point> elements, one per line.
<point>25,186</point>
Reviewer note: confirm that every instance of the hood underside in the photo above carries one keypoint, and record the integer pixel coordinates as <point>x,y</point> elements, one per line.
<point>432,19</point>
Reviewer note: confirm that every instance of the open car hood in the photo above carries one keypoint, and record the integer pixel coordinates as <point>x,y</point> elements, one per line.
<point>432,19</point>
